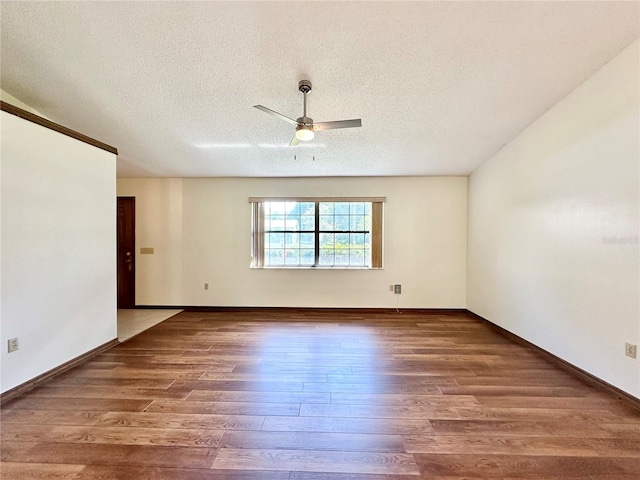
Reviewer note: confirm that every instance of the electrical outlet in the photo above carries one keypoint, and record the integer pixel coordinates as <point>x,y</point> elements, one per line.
<point>206,286</point>
<point>12,344</point>
<point>391,289</point>
<point>397,289</point>
<point>630,350</point>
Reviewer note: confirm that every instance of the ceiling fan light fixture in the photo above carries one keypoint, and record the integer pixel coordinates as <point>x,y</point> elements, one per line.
<point>304,133</point>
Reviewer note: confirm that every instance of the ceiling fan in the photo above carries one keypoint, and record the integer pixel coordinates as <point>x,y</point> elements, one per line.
<point>305,127</point>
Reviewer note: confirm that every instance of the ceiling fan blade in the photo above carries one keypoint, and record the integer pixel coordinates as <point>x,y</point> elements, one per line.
<point>337,124</point>
<point>276,114</point>
<point>294,141</point>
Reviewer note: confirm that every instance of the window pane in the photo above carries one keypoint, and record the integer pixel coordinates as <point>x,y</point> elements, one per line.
<point>342,240</point>
<point>277,208</point>
<point>292,257</point>
<point>357,223</point>
<point>274,257</point>
<point>357,240</point>
<point>356,257</point>
<point>326,208</point>
<point>367,223</point>
<point>293,208</point>
<point>341,208</point>
<point>326,240</point>
<point>307,240</point>
<point>292,223</point>
<point>274,240</point>
<point>307,208</point>
<point>342,222</point>
<point>307,256</point>
<point>342,257</point>
<point>326,257</point>
<point>307,222</point>
<point>291,240</point>
<point>356,208</point>
<point>326,222</point>
<point>276,223</point>
<point>326,248</point>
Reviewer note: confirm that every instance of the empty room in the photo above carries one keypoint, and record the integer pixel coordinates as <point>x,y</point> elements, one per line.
<point>317,240</point>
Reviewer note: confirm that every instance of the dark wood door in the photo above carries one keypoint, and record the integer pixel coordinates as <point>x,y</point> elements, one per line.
<point>126,252</point>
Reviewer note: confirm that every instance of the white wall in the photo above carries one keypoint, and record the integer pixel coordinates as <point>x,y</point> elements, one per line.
<point>553,228</point>
<point>58,254</point>
<point>424,244</point>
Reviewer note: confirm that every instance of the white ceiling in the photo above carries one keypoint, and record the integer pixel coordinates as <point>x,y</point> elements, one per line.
<point>440,86</point>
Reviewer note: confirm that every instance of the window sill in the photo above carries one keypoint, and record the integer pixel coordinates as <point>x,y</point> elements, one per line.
<point>315,268</point>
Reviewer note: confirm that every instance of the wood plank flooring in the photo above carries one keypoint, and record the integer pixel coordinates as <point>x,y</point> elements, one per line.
<point>318,395</point>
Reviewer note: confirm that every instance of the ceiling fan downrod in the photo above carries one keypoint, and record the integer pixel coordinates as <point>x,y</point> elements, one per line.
<point>305,87</point>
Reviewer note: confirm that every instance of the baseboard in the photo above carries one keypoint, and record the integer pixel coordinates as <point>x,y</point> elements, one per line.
<point>210,308</point>
<point>562,364</point>
<point>158,307</point>
<point>34,382</point>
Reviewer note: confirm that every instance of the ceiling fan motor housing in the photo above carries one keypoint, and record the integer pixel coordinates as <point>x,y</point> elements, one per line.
<point>304,122</point>
<point>304,86</point>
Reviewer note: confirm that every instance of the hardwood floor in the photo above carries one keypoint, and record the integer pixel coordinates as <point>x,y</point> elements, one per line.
<point>319,395</point>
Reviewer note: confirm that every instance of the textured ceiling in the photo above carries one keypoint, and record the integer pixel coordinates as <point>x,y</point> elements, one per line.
<point>439,86</point>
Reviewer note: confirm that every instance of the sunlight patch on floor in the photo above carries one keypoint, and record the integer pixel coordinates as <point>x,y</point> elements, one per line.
<point>131,322</point>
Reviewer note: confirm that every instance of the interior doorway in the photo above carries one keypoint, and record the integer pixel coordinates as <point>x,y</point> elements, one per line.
<point>126,252</point>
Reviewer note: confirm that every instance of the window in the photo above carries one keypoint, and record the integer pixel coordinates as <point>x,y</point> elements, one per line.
<point>316,232</point>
